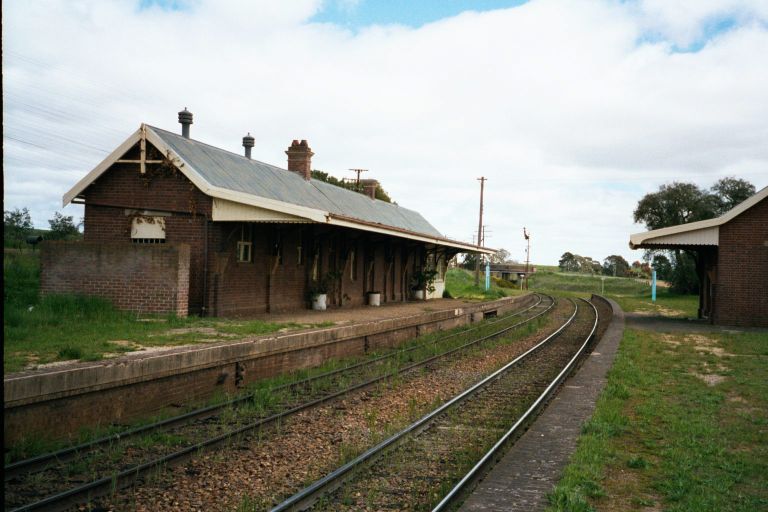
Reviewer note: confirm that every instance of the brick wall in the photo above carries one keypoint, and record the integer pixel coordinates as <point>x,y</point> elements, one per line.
<point>741,294</point>
<point>142,278</point>
<point>266,285</point>
<point>111,199</point>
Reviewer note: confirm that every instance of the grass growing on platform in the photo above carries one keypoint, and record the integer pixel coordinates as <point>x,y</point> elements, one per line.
<point>681,426</point>
<point>71,327</point>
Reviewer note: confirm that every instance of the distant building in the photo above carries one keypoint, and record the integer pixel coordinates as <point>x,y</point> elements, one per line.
<point>174,224</point>
<point>731,260</point>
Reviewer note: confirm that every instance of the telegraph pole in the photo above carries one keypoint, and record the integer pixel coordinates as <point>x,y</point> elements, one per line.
<point>527,254</point>
<point>482,181</point>
<point>358,171</point>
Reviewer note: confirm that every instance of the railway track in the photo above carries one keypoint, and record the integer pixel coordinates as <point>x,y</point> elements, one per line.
<point>421,464</point>
<point>74,475</point>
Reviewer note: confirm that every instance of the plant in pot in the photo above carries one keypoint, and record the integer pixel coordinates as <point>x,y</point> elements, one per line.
<point>319,290</point>
<point>318,294</point>
<point>423,280</point>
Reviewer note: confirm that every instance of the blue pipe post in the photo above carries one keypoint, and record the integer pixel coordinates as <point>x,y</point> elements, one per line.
<point>653,286</point>
<point>487,275</point>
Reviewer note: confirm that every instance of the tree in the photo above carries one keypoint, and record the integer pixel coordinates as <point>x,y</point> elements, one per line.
<point>62,228</point>
<point>730,192</point>
<point>662,266</point>
<point>615,265</point>
<point>677,203</point>
<point>469,262</point>
<point>17,226</point>
<point>568,263</point>
<point>499,257</point>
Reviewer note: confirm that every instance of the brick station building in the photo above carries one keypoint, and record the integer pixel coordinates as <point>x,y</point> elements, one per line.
<point>173,224</point>
<point>731,260</point>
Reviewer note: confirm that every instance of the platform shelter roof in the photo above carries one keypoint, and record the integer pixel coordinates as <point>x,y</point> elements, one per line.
<point>694,234</point>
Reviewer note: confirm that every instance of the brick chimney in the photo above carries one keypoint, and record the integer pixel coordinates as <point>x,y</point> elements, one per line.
<point>369,187</point>
<point>300,159</point>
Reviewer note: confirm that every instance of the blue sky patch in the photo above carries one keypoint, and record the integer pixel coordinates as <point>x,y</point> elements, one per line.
<point>358,14</point>
<point>166,5</point>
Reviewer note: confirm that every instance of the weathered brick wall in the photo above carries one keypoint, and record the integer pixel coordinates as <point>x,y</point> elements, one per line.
<point>142,278</point>
<point>111,200</point>
<point>264,285</point>
<point>741,295</point>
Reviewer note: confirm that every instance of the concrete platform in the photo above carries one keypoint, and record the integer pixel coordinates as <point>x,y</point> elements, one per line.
<point>57,401</point>
<point>656,323</point>
<point>521,480</point>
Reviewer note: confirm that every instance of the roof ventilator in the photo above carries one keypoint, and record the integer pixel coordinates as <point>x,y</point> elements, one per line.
<point>185,118</point>
<point>248,143</point>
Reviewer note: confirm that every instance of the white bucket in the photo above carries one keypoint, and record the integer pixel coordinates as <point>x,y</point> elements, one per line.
<point>374,299</point>
<point>318,302</point>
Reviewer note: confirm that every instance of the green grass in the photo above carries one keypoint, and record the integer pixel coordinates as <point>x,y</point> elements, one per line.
<point>460,284</point>
<point>661,436</point>
<point>66,327</point>
<point>631,294</point>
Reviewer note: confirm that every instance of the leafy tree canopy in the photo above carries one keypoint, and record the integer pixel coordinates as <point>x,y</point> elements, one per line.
<point>615,265</point>
<point>17,226</point>
<point>62,228</point>
<point>681,203</point>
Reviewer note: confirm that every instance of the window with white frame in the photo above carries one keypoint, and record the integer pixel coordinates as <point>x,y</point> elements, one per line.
<point>245,245</point>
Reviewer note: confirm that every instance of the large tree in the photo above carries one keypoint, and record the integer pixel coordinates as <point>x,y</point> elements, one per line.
<point>675,203</point>
<point>730,192</point>
<point>681,203</point>
<point>615,265</point>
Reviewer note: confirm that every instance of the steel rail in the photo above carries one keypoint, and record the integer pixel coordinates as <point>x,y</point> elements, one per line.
<point>41,462</point>
<point>305,497</point>
<point>100,486</point>
<point>489,457</point>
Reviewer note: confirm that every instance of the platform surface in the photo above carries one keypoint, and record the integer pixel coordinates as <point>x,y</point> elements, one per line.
<point>521,480</point>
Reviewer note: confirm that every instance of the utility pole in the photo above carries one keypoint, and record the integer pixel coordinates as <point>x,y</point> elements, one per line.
<point>482,181</point>
<point>358,171</point>
<point>527,254</point>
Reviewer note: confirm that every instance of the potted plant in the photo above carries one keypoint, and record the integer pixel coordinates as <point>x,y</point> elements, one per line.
<point>374,298</point>
<point>319,290</point>
<point>318,295</point>
<point>423,280</point>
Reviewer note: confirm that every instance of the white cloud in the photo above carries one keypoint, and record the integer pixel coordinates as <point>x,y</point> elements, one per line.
<point>555,102</point>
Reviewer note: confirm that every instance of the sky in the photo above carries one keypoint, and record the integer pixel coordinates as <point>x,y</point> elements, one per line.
<point>572,109</point>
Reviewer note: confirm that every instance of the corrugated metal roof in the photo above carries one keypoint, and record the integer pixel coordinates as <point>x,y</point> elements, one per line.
<point>232,171</point>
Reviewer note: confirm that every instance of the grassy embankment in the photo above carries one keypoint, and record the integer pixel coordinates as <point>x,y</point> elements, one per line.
<point>631,294</point>
<point>60,328</point>
<point>682,425</point>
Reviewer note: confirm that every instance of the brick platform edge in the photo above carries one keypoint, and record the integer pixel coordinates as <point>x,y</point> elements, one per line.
<point>56,402</point>
<point>521,480</point>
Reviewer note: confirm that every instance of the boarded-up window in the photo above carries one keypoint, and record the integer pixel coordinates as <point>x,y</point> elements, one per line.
<point>148,229</point>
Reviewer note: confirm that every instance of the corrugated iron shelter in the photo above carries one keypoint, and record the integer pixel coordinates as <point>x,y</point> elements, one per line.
<point>261,237</point>
<point>731,257</point>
